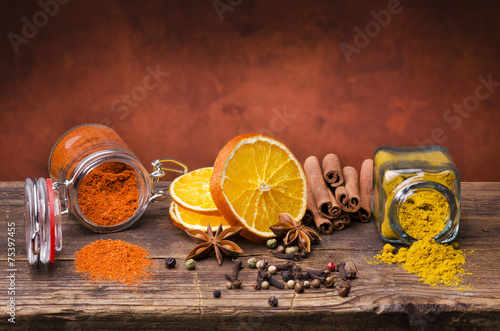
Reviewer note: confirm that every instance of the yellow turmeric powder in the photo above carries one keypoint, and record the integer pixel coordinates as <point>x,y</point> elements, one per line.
<point>422,213</point>
<point>435,264</point>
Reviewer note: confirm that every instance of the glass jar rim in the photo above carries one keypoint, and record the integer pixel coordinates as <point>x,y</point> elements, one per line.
<point>450,229</point>
<point>87,165</point>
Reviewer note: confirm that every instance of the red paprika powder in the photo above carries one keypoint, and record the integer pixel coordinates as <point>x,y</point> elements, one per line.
<point>108,195</point>
<point>113,260</point>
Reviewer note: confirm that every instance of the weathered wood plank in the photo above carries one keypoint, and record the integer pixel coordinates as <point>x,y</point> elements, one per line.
<point>383,296</point>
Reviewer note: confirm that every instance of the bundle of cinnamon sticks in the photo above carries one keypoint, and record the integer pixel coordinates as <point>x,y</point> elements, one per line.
<point>336,194</point>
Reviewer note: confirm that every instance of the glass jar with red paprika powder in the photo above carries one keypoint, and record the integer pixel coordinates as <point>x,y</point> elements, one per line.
<point>95,177</point>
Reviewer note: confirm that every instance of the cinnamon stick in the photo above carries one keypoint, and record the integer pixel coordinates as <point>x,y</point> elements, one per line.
<point>365,189</point>
<point>335,210</point>
<point>351,202</point>
<point>323,224</point>
<point>341,196</point>
<point>332,170</point>
<point>344,217</point>
<point>316,185</point>
<point>356,216</point>
<point>338,224</point>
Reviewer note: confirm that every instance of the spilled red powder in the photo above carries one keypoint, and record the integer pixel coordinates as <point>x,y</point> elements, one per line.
<point>114,260</point>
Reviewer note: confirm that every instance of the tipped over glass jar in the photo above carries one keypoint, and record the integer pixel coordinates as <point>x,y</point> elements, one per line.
<point>95,177</point>
<point>416,194</point>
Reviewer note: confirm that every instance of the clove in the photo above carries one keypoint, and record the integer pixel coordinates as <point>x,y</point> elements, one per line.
<point>230,278</point>
<point>344,291</point>
<point>303,275</point>
<point>287,266</point>
<point>304,254</point>
<point>262,275</point>
<point>237,266</point>
<point>275,283</point>
<point>329,282</point>
<point>296,269</point>
<point>233,277</point>
<point>350,270</point>
<point>319,273</point>
<point>321,279</point>
<point>293,257</point>
<point>342,271</point>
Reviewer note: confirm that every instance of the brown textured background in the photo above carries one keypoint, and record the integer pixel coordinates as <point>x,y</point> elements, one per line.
<point>234,76</point>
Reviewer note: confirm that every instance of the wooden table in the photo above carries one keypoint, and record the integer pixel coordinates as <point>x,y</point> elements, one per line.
<point>382,297</point>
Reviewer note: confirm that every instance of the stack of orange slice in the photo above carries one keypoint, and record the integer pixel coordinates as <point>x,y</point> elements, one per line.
<point>192,206</point>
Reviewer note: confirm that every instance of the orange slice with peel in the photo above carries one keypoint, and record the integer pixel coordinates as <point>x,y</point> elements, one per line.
<point>186,219</point>
<point>192,191</point>
<point>254,179</point>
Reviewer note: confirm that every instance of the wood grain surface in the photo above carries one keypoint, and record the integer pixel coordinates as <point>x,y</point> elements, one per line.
<point>382,297</point>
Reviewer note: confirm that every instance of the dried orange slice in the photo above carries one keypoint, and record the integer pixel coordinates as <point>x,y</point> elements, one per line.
<point>186,219</point>
<point>192,191</point>
<point>254,179</point>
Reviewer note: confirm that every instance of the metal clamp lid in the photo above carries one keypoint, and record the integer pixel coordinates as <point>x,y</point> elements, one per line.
<point>159,171</point>
<point>42,220</point>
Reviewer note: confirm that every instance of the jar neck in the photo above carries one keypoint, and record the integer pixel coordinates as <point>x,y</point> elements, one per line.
<point>405,192</point>
<point>78,143</point>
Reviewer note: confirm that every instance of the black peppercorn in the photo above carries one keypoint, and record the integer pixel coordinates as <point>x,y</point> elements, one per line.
<point>287,275</point>
<point>170,262</point>
<point>273,301</point>
<point>217,294</point>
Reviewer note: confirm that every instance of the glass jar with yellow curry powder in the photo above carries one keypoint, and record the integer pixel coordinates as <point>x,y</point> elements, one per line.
<point>416,194</point>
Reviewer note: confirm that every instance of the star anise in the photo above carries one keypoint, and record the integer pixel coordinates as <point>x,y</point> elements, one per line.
<point>291,231</point>
<point>220,243</point>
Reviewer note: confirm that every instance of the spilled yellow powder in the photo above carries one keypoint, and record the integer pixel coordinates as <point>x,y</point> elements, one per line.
<point>435,264</point>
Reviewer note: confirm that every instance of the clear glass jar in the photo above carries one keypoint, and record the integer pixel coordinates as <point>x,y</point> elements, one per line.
<point>404,174</point>
<point>74,156</point>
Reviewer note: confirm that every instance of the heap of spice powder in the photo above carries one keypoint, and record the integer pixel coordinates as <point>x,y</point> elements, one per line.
<point>109,195</point>
<point>113,260</point>
<point>435,264</point>
<point>423,216</point>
